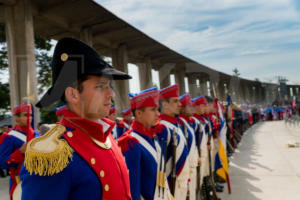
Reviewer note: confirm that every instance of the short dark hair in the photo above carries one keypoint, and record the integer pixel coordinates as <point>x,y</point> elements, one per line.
<point>133,111</point>
<point>209,99</point>
<point>161,102</point>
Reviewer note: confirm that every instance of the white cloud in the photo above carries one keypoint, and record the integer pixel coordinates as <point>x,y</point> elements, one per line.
<point>249,34</point>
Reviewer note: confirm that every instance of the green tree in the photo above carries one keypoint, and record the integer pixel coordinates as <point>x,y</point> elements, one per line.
<point>43,62</point>
<point>236,72</point>
<point>4,99</point>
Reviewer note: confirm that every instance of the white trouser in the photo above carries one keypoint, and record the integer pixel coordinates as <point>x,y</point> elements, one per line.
<point>213,152</point>
<point>181,182</point>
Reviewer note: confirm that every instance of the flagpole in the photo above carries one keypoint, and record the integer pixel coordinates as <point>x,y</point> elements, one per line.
<point>219,117</point>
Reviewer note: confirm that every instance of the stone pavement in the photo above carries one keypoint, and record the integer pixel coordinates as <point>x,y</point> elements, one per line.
<point>263,168</point>
<point>4,188</point>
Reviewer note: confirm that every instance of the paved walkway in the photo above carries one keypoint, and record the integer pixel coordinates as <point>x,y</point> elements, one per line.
<point>4,189</point>
<point>263,167</point>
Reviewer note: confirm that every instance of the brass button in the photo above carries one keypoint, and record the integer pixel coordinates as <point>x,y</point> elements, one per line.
<point>69,134</point>
<point>106,188</point>
<point>102,173</point>
<point>93,161</point>
<point>64,57</point>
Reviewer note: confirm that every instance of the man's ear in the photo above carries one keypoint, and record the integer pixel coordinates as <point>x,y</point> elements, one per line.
<point>138,113</point>
<point>72,95</point>
<point>16,118</point>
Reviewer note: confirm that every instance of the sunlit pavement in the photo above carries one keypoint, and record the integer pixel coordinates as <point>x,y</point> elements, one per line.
<point>4,182</point>
<point>263,167</point>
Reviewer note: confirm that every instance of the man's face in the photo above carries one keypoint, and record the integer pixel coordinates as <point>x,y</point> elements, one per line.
<point>173,106</point>
<point>22,119</point>
<point>148,116</point>
<point>187,110</point>
<point>128,117</point>
<point>112,117</point>
<point>210,107</point>
<point>95,98</point>
<point>200,109</point>
<point>5,128</point>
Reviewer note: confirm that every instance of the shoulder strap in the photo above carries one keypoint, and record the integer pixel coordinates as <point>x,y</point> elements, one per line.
<point>18,135</point>
<point>146,145</point>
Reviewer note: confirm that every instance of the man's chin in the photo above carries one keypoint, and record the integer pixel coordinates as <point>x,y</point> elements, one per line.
<point>105,113</point>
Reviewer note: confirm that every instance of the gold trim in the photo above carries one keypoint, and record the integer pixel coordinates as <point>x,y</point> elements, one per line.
<point>104,145</point>
<point>69,134</point>
<point>102,174</point>
<point>18,180</point>
<point>64,57</point>
<point>48,154</point>
<point>106,188</point>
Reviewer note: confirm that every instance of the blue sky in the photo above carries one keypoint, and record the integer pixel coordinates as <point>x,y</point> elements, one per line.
<point>259,37</point>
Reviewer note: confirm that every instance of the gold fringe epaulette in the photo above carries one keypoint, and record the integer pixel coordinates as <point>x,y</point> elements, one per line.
<point>48,154</point>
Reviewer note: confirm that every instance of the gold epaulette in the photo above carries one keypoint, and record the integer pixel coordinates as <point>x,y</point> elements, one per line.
<point>48,154</point>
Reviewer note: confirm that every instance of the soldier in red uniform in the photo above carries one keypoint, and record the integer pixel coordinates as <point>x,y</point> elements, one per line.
<point>78,158</point>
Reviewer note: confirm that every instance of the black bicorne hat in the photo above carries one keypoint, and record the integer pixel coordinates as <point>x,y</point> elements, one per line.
<point>73,59</point>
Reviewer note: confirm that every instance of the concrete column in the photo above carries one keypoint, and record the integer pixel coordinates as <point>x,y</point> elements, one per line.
<point>288,92</point>
<point>221,90</point>
<point>268,94</point>
<point>242,93</point>
<point>121,87</point>
<point>179,79</point>
<point>251,94</point>
<point>20,47</point>
<point>258,94</point>
<point>234,88</point>
<point>294,91</point>
<point>226,84</point>
<point>86,36</point>
<point>263,94</point>
<point>247,93</point>
<point>255,94</point>
<point>203,87</point>
<point>198,89</point>
<point>164,75</point>
<point>213,89</point>
<point>145,75</point>
<point>192,85</point>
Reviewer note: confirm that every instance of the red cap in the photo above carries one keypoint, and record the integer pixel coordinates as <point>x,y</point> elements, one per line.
<point>59,110</point>
<point>185,100</point>
<point>112,110</point>
<point>146,98</point>
<point>22,108</point>
<point>168,92</point>
<point>126,112</point>
<point>199,100</point>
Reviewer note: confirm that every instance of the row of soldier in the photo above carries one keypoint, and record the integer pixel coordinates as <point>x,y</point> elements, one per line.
<point>170,147</point>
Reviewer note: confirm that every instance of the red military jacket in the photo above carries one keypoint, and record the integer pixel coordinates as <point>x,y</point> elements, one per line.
<point>90,140</point>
